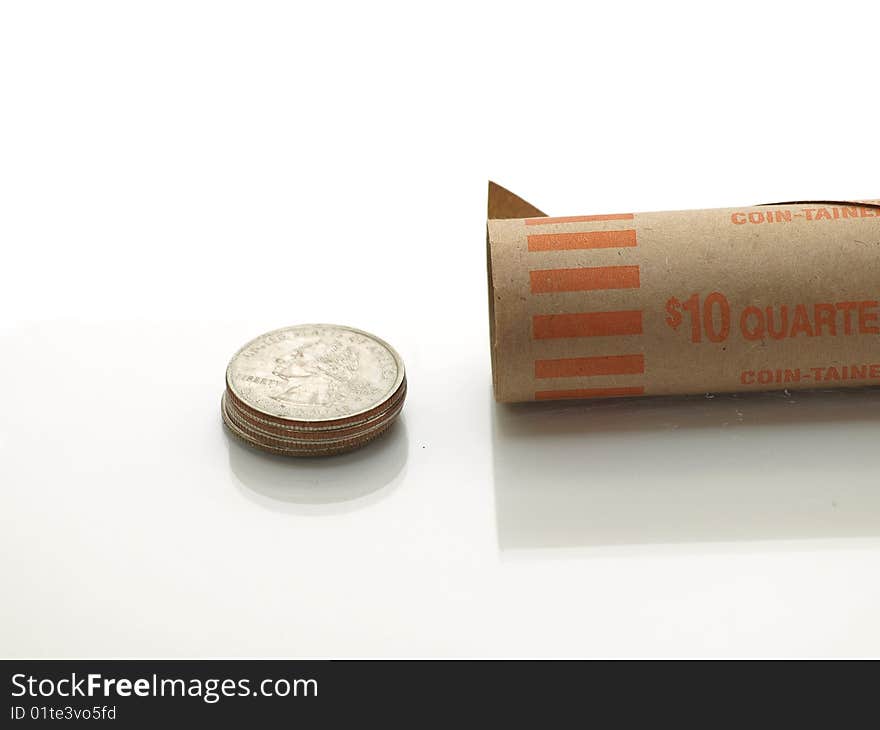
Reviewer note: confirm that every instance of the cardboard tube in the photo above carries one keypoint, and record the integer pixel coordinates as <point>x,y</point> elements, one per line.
<point>770,297</point>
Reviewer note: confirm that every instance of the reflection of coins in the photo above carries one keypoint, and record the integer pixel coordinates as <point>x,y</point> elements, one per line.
<point>313,390</point>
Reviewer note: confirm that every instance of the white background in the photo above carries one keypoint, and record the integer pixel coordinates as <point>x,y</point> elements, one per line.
<point>178,177</point>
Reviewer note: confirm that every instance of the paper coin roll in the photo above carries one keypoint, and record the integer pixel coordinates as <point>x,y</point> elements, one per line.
<point>767,297</point>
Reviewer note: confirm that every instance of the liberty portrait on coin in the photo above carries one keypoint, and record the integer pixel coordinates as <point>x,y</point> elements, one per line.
<point>315,372</point>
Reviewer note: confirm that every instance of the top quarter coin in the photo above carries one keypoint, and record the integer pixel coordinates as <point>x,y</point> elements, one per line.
<point>315,373</point>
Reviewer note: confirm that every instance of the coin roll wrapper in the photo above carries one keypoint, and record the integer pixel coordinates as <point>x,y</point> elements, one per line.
<point>769,297</point>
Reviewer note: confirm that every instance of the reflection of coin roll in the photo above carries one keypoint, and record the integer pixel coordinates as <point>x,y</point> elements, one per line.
<point>735,299</point>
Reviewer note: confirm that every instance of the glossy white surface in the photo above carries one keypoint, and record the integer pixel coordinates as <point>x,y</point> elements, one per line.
<point>180,178</point>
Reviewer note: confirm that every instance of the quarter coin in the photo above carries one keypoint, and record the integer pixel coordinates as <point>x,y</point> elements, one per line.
<point>315,389</point>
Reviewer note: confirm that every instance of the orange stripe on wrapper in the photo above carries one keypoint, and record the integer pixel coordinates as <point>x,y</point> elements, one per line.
<point>575,367</point>
<point>589,393</point>
<point>586,324</point>
<point>579,219</point>
<point>583,239</point>
<point>584,279</point>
